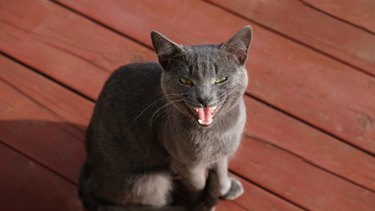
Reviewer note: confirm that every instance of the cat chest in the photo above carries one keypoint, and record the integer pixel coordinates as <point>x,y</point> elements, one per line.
<point>205,148</point>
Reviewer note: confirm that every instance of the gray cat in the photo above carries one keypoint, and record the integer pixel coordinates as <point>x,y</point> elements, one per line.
<point>183,115</point>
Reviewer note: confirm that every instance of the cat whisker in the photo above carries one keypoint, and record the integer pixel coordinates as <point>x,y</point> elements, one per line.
<point>160,111</point>
<point>153,103</point>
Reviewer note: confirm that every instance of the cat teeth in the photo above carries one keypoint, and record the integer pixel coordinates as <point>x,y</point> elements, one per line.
<point>213,110</point>
<point>205,123</point>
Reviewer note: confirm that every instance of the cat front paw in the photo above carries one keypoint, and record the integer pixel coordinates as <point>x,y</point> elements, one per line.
<point>235,190</point>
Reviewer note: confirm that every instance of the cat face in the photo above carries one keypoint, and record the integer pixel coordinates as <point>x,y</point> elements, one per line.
<point>204,81</point>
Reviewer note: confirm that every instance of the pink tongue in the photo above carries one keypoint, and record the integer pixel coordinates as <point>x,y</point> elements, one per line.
<point>205,114</point>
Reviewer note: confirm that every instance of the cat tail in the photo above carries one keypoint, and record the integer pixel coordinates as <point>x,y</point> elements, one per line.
<point>207,201</point>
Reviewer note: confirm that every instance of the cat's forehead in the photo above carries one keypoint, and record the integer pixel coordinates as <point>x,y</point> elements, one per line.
<point>202,56</point>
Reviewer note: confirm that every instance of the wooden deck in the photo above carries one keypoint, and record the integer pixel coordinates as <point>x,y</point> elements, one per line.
<point>310,139</point>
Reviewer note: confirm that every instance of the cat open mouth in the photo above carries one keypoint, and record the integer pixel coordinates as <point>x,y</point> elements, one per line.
<point>205,115</point>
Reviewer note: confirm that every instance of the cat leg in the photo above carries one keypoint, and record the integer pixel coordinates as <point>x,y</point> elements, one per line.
<point>230,188</point>
<point>152,190</point>
<point>134,192</point>
<point>194,178</point>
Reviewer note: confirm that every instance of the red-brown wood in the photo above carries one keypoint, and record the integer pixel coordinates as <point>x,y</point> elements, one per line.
<point>15,124</point>
<point>62,44</point>
<point>324,101</point>
<point>228,205</point>
<point>68,106</point>
<point>255,198</point>
<point>46,121</point>
<point>46,135</point>
<point>307,25</point>
<point>298,180</point>
<point>287,133</point>
<point>360,12</point>
<point>311,145</point>
<point>39,133</point>
<point>298,80</point>
<point>25,185</point>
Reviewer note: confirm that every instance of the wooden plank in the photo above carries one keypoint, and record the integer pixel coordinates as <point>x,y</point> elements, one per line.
<point>228,205</point>
<point>62,44</point>
<point>297,180</point>
<point>320,90</point>
<point>315,29</point>
<point>360,13</point>
<point>44,133</point>
<point>38,133</point>
<point>254,197</point>
<point>70,107</point>
<point>25,185</point>
<point>312,145</point>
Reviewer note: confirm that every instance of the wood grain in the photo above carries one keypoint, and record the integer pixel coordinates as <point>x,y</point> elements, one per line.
<point>311,27</point>
<point>360,13</point>
<point>63,45</point>
<point>25,185</point>
<point>300,81</point>
<point>313,146</point>
<point>297,180</point>
<point>253,194</point>
<point>37,132</point>
<point>302,162</point>
<point>56,142</point>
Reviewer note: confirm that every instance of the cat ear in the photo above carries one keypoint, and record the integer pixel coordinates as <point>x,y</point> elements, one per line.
<point>164,47</point>
<point>239,44</point>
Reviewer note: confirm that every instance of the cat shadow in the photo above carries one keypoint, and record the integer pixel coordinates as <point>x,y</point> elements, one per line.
<point>40,140</point>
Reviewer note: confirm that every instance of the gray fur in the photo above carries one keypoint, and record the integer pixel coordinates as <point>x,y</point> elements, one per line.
<point>142,128</point>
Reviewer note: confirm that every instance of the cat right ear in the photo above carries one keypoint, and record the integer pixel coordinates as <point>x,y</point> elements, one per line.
<point>239,44</point>
<point>164,47</point>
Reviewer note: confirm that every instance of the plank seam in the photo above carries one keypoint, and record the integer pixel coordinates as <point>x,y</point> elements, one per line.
<point>101,24</point>
<point>39,163</point>
<point>251,96</point>
<point>306,45</point>
<point>267,190</point>
<point>310,124</point>
<point>75,55</point>
<point>336,17</point>
<point>42,106</point>
<point>35,36</point>
<point>261,140</point>
<point>225,9</point>
<point>47,77</point>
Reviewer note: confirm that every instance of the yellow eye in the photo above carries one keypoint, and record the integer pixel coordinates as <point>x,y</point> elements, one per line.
<point>186,81</point>
<point>220,80</point>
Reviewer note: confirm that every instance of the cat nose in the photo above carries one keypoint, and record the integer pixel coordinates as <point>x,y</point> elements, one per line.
<point>204,101</point>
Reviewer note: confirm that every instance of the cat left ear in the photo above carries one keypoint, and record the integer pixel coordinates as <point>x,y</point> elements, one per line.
<point>239,44</point>
<point>164,47</point>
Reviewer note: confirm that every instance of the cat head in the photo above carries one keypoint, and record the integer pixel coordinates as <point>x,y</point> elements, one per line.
<point>204,81</point>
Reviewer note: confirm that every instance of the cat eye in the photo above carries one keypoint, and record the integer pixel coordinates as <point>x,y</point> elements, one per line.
<point>186,81</point>
<point>221,80</point>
